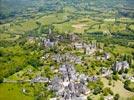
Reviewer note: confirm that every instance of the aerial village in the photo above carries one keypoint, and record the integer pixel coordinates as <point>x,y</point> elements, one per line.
<point>70,79</point>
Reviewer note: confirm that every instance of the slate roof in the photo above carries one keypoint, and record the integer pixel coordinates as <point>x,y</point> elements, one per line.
<point>39,79</point>
<point>121,66</point>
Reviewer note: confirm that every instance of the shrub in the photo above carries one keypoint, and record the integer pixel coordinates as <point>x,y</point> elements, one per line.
<point>88,98</point>
<point>97,90</point>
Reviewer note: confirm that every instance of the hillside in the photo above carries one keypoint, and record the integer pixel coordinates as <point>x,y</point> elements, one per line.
<point>66,50</point>
<point>16,7</point>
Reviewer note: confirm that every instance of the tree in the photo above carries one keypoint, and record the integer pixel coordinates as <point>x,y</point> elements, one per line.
<point>107,91</point>
<point>115,77</point>
<point>1,79</point>
<point>121,71</point>
<point>126,71</point>
<point>127,82</point>
<point>128,85</point>
<point>116,97</point>
<point>34,62</point>
<point>110,82</point>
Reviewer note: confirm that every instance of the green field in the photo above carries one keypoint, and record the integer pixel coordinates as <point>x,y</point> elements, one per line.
<point>11,91</point>
<point>118,88</point>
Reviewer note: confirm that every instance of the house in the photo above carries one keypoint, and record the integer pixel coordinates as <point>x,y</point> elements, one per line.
<point>81,88</point>
<point>65,77</point>
<point>90,49</point>
<point>61,38</point>
<point>56,84</point>
<point>57,87</point>
<point>58,58</point>
<point>73,37</point>
<point>106,56</point>
<point>131,78</point>
<point>92,78</point>
<point>78,61</point>
<point>105,71</point>
<point>78,45</point>
<point>68,72</point>
<point>80,98</point>
<point>39,79</point>
<point>71,87</point>
<point>46,56</point>
<point>63,68</point>
<point>67,95</point>
<point>83,77</point>
<point>49,43</point>
<point>31,39</point>
<point>121,66</point>
<point>98,58</point>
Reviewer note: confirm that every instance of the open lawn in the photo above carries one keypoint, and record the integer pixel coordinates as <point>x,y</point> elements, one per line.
<point>53,18</point>
<point>65,27</point>
<point>19,27</point>
<point>12,92</point>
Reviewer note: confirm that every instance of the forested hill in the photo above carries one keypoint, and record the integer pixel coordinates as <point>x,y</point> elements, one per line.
<point>10,8</point>
<point>130,3</point>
